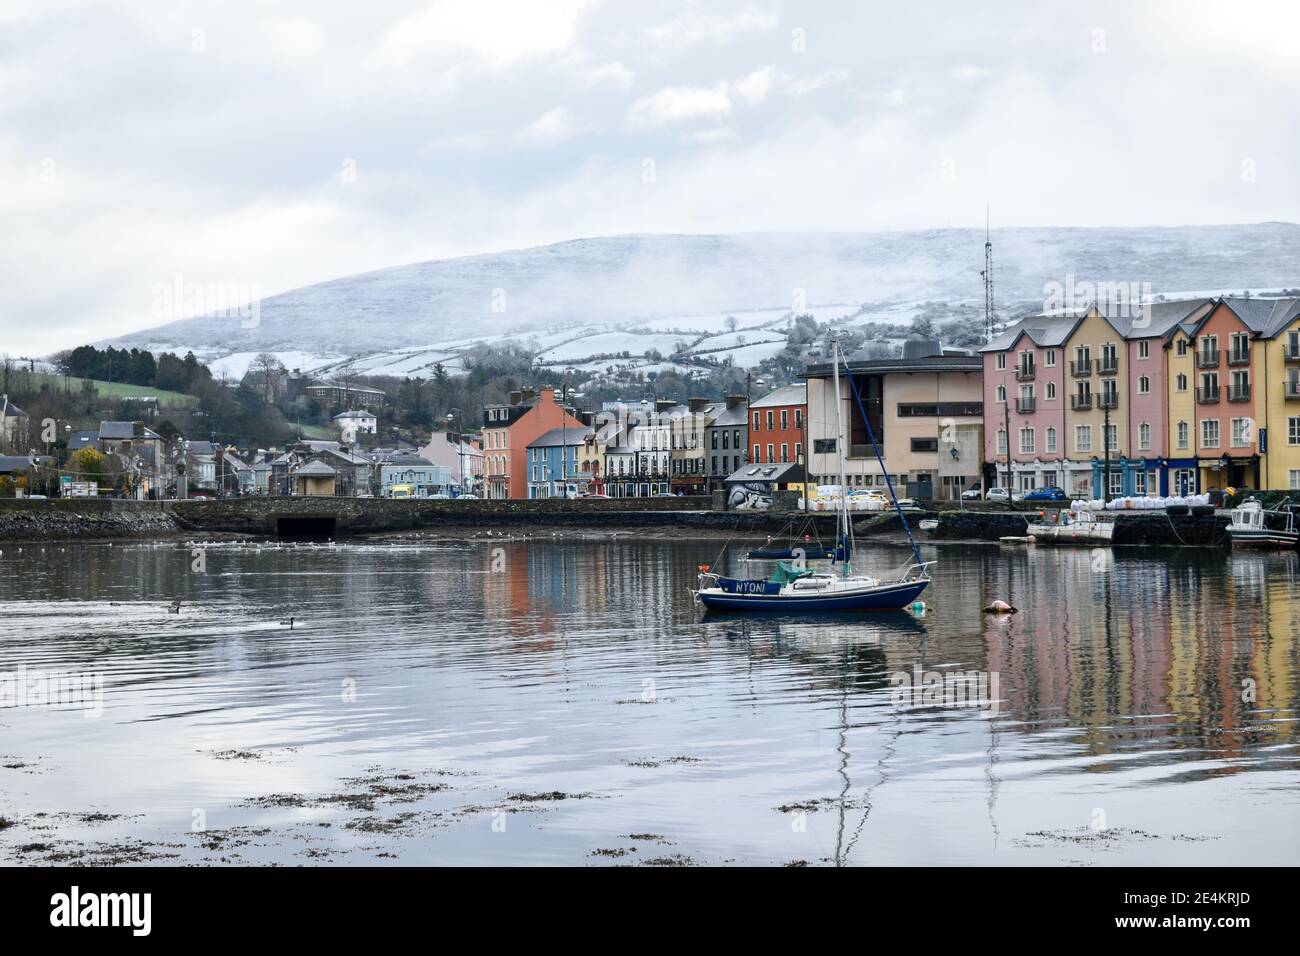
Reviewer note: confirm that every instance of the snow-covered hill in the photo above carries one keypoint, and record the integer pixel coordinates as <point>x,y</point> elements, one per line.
<point>593,303</point>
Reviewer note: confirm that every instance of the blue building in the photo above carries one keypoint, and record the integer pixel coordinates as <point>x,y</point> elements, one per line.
<point>554,457</point>
<point>410,476</point>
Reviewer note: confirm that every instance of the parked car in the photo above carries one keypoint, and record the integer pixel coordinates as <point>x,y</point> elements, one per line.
<point>665,494</point>
<point>974,493</point>
<point>997,494</point>
<point>594,495</point>
<point>1050,493</point>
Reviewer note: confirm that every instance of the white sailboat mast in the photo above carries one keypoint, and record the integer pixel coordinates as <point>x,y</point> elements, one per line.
<point>839,451</point>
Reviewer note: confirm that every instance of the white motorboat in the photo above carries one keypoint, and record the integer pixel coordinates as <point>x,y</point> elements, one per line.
<point>1253,526</point>
<point>1072,527</point>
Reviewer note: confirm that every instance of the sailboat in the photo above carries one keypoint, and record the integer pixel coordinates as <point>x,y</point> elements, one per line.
<point>794,587</point>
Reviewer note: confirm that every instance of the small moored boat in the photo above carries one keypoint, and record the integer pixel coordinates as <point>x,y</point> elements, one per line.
<point>1253,526</point>
<point>1072,527</point>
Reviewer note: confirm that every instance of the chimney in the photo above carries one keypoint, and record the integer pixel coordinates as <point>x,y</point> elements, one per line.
<point>735,401</point>
<point>697,405</point>
<point>587,418</point>
<point>548,393</point>
<point>528,394</point>
<point>663,404</point>
<point>516,397</point>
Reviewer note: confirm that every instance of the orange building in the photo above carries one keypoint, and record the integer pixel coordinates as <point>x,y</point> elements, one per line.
<point>507,432</point>
<point>776,425</point>
<point>1225,433</point>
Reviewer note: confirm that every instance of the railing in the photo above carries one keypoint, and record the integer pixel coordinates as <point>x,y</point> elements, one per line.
<point>1107,366</point>
<point>1239,357</point>
<point>1208,396</point>
<point>1207,358</point>
<point>1290,354</point>
<point>1025,373</point>
<point>1108,400</point>
<point>1080,403</point>
<point>1081,369</point>
<point>1025,406</point>
<point>1239,393</point>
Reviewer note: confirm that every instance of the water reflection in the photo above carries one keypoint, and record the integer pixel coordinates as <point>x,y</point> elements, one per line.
<point>581,665</point>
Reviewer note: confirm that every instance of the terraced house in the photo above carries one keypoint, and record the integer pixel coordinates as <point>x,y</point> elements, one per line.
<point>1084,399</point>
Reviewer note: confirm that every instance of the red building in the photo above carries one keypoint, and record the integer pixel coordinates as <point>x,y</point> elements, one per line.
<point>778,425</point>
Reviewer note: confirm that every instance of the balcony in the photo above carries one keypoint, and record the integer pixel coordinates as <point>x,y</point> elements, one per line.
<point>1292,387</point>
<point>1291,354</point>
<point>1025,406</point>
<point>1239,357</point>
<point>1081,369</point>
<point>1239,393</point>
<point>1207,396</point>
<point>1208,358</point>
<point>1107,366</point>
<point>1080,403</point>
<point>1108,400</point>
<point>1025,373</point>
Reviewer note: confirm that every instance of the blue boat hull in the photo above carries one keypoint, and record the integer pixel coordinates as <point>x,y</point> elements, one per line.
<point>890,598</point>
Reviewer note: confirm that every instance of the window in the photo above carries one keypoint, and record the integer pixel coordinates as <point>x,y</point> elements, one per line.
<point>1112,437</point>
<point>758,453</point>
<point>1049,441</point>
<point>822,446</point>
<point>757,421</point>
<point>1051,391</point>
<point>1002,441</point>
<point>798,450</point>
<point>1083,438</point>
<point>1026,441</point>
<point>771,417</point>
<point>771,458</point>
<point>1139,483</point>
<point>1144,349</point>
<point>735,440</point>
<point>1293,431</point>
<point>1210,433</point>
<point>785,419</point>
<point>1117,482</point>
<point>1002,362</point>
<point>925,444</point>
<point>1182,347</point>
<point>798,418</point>
<point>1049,358</point>
<point>1002,393</point>
<point>1181,382</point>
<point>1144,436</point>
<point>785,453</point>
<point>1182,434</point>
<point>1144,385</point>
<point>1241,433</point>
<point>1294,479</point>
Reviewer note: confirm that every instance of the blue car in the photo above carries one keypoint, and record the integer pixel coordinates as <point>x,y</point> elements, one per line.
<point>1046,494</point>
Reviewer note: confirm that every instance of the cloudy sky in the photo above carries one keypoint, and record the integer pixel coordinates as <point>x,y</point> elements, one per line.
<point>267,145</point>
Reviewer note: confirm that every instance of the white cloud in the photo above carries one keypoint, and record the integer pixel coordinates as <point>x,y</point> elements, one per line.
<point>499,32</point>
<point>553,126</point>
<point>676,104</point>
<point>695,25</point>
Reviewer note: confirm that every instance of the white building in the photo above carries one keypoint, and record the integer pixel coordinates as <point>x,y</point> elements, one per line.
<point>352,424</point>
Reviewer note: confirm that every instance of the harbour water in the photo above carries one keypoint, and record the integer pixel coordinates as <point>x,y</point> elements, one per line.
<point>562,700</point>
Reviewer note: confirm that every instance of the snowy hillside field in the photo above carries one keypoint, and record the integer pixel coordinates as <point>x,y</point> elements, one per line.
<point>645,299</point>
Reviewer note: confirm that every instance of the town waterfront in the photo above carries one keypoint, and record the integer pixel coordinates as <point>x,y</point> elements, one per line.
<point>561,700</point>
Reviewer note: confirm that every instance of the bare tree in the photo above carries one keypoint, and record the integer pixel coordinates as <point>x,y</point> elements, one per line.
<point>266,370</point>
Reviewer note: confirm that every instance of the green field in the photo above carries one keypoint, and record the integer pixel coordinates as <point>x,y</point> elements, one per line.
<point>117,390</point>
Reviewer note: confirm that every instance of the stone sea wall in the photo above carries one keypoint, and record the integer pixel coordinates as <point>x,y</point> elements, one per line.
<point>25,519</point>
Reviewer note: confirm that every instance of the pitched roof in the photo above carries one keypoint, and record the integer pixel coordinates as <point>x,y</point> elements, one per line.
<point>1045,331</point>
<point>9,410</point>
<point>117,431</point>
<point>356,414</point>
<point>82,438</point>
<point>788,471</point>
<point>313,468</point>
<point>1265,317</point>
<point>406,459</point>
<point>796,394</point>
<point>557,437</point>
<point>12,463</point>
<point>736,416</point>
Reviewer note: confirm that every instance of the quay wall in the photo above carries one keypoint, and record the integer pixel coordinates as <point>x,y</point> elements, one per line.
<point>27,519</point>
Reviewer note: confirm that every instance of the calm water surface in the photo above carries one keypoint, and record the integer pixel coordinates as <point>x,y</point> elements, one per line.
<point>563,701</point>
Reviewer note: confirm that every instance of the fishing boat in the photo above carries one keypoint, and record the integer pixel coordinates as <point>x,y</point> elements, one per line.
<point>1253,526</point>
<point>796,587</point>
<point>1072,527</point>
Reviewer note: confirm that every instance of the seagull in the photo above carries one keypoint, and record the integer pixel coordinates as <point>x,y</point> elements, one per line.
<point>174,608</point>
<point>289,623</point>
